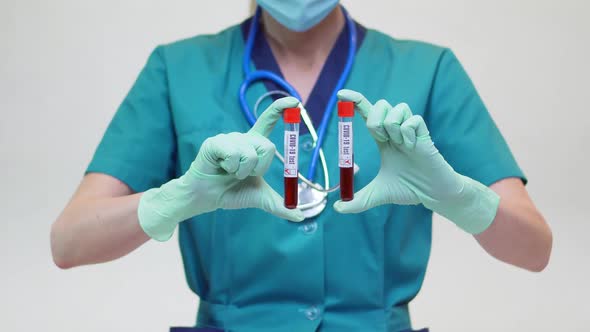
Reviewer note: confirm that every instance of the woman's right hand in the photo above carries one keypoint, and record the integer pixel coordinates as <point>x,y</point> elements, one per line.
<point>227,174</point>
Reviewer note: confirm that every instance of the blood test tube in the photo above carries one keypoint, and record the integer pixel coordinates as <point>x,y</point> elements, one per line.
<point>345,150</point>
<point>292,119</point>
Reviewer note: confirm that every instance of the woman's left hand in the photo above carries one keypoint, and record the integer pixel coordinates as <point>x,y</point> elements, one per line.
<point>412,169</point>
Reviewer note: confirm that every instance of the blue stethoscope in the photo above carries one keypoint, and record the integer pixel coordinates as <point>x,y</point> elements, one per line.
<point>312,196</point>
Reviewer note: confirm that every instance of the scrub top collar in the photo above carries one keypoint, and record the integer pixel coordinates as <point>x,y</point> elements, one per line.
<point>263,59</point>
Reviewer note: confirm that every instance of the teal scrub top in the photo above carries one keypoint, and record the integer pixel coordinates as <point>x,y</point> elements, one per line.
<point>255,272</point>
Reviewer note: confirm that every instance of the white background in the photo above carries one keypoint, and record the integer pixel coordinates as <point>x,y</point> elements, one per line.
<point>66,65</point>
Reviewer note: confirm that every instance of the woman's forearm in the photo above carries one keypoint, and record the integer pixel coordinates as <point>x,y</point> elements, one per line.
<point>94,230</point>
<point>519,234</point>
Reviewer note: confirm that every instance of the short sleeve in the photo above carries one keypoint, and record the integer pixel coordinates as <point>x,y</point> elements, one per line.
<point>463,130</point>
<point>139,144</point>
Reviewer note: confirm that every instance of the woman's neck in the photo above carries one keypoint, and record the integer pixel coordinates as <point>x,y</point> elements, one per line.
<point>302,55</point>
<point>311,45</point>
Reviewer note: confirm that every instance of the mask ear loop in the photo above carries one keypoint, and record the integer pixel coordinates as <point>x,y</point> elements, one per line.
<point>314,136</point>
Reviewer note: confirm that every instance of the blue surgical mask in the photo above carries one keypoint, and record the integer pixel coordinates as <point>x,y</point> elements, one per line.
<point>298,15</point>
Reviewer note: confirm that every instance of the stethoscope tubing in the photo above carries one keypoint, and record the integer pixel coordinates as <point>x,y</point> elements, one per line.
<point>333,98</point>
<point>308,123</point>
<point>251,77</point>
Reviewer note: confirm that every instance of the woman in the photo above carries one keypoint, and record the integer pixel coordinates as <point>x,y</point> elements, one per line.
<point>256,265</point>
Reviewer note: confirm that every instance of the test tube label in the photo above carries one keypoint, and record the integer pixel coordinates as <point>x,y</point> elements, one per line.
<point>345,144</point>
<point>291,153</point>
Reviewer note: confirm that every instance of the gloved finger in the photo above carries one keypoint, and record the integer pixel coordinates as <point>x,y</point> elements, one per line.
<point>368,197</point>
<point>375,120</point>
<point>248,161</point>
<point>394,119</point>
<point>411,129</point>
<point>231,162</point>
<point>220,152</point>
<point>269,118</point>
<point>361,104</point>
<point>265,149</point>
<point>273,203</point>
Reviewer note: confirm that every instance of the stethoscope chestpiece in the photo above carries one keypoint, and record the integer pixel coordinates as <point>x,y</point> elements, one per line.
<point>311,202</point>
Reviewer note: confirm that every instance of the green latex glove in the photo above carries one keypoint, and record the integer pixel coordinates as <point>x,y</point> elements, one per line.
<point>226,174</point>
<point>413,171</point>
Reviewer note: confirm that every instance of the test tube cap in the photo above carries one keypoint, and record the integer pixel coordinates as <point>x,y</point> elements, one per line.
<point>345,109</point>
<point>292,115</point>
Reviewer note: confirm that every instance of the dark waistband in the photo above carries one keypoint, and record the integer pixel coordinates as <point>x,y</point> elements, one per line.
<point>220,317</point>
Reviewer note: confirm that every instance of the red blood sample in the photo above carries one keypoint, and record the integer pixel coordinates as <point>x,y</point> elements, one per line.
<point>291,193</point>
<point>346,183</point>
